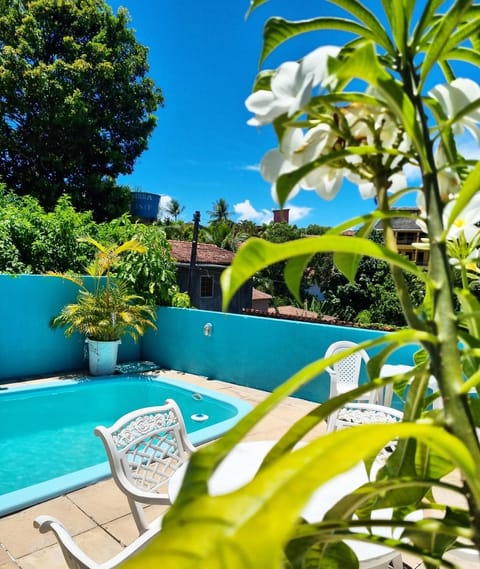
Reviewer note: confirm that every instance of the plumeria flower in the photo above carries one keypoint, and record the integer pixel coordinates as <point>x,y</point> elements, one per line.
<point>448,180</point>
<point>297,150</point>
<point>282,160</point>
<point>325,180</point>
<point>454,97</point>
<point>291,86</point>
<point>367,189</point>
<point>465,223</point>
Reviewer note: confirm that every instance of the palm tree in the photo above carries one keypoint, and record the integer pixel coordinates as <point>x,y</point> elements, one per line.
<point>174,209</point>
<point>220,211</point>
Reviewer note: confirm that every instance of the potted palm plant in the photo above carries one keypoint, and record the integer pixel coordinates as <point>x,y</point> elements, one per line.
<point>106,311</point>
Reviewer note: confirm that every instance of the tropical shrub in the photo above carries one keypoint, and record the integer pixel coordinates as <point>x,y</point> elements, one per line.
<point>35,241</point>
<point>108,310</point>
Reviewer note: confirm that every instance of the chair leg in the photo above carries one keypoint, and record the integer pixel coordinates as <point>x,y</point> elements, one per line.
<point>138,516</point>
<point>397,562</point>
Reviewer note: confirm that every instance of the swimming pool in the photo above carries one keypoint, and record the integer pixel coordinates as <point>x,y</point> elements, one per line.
<point>47,445</point>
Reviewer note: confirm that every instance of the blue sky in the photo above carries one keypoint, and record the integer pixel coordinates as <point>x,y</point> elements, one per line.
<point>204,57</point>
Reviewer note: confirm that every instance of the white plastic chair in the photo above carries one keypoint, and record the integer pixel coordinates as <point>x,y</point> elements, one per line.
<point>144,448</point>
<point>345,374</point>
<point>76,558</point>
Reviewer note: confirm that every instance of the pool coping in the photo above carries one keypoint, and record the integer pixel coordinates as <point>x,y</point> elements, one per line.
<point>29,495</point>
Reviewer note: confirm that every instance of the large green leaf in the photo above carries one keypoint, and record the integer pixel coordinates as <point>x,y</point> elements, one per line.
<point>358,10</point>
<point>256,254</point>
<point>425,20</point>
<point>279,30</point>
<point>444,31</point>
<point>465,54</point>
<point>244,528</point>
<point>399,25</point>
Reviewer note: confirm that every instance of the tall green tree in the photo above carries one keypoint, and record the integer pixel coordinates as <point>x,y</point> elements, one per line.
<point>220,211</point>
<point>174,209</point>
<point>76,105</point>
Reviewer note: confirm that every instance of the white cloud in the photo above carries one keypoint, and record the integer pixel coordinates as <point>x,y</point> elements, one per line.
<point>162,206</point>
<point>246,211</point>
<point>252,167</point>
<point>297,213</point>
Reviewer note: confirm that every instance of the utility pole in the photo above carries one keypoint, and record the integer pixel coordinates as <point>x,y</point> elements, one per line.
<point>193,254</point>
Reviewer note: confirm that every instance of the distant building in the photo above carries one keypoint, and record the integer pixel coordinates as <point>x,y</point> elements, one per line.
<point>281,215</point>
<point>260,300</point>
<point>407,232</point>
<point>202,281</point>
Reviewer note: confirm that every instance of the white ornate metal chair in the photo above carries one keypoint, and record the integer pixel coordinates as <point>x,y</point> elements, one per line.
<point>144,448</point>
<point>76,558</point>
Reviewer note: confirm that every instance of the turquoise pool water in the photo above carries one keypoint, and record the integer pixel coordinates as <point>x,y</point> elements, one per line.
<point>47,445</point>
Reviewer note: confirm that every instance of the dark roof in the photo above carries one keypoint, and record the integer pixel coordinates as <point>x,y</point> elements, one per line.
<point>402,223</point>
<point>206,254</point>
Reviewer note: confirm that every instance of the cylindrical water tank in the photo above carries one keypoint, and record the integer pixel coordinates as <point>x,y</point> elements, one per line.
<point>145,205</point>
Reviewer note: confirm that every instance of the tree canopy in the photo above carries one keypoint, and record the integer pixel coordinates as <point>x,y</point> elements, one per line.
<point>76,105</point>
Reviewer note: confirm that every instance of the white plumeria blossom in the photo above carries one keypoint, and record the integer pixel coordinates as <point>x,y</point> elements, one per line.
<point>325,180</point>
<point>282,160</point>
<point>291,86</point>
<point>465,222</point>
<point>454,97</point>
<point>295,151</point>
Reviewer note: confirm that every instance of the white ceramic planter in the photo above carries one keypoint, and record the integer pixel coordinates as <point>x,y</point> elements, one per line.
<point>102,356</point>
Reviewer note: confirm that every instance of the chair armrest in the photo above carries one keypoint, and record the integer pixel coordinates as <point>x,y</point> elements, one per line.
<point>77,559</point>
<point>74,556</point>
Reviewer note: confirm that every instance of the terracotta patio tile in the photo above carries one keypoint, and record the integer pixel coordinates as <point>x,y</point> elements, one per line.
<point>96,543</point>
<point>125,530</point>
<point>6,562</point>
<point>103,501</point>
<point>19,536</point>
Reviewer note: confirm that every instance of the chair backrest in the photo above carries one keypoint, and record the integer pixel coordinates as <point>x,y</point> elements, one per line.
<point>345,373</point>
<point>144,448</point>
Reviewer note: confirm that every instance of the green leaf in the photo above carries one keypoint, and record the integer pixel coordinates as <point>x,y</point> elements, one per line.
<point>348,263</point>
<point>358,10</point>
<point>279,30</point>
<point>444,31</point>
<point>244,528</point>
<point>465,54</point>
<point>425,20</point>
<point>256,254</point>
<point>254,4</point>
<point>294,270</point>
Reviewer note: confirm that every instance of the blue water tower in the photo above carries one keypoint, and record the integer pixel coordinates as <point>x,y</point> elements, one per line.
<point>145,205</point>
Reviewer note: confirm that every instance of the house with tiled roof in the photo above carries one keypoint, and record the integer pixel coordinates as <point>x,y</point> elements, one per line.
<point>407,232</point>
<point>199,268</point>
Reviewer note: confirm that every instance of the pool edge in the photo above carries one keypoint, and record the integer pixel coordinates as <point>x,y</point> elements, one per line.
<point>18,500</point>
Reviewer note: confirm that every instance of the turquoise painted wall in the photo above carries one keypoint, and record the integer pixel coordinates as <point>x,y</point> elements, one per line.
<point>248,350</point>
<point>245,350</point>
<point>28,346</point>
